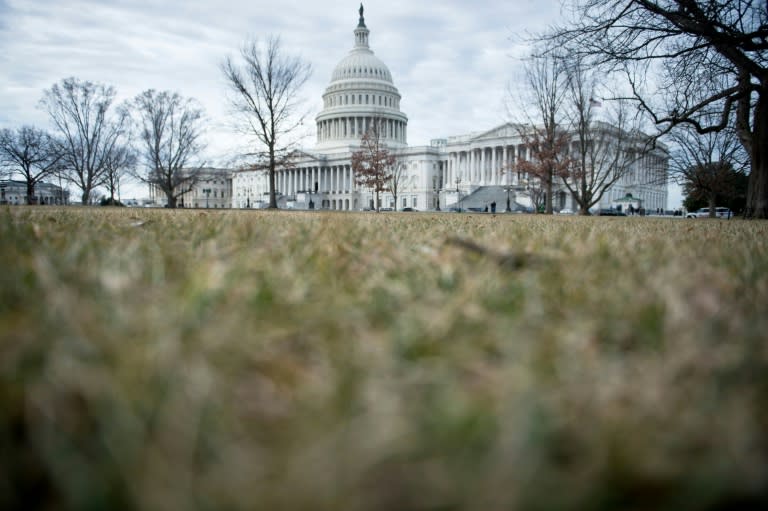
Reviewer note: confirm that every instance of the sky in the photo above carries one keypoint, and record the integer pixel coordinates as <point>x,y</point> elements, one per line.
<point>453,61</point>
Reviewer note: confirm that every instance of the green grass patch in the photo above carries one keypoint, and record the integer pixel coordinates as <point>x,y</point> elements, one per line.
<point>158,359</point>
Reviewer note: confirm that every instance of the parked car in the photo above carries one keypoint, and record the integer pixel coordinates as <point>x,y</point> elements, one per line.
<point>704,213</point>
<point>611,212</point>
<point>565,211</point>
<point>409,209</point>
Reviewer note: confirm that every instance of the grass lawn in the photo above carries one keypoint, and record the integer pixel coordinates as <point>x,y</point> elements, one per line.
<point>225,360</point>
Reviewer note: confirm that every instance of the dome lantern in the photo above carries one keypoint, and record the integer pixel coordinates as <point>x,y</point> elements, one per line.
<point>361,32</point>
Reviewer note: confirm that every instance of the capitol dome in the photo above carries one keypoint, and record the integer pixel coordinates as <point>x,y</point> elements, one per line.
<point>361,63</point>
<point>360,96</point>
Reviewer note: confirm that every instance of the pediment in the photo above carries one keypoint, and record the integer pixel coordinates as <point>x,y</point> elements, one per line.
<point>506,130</point>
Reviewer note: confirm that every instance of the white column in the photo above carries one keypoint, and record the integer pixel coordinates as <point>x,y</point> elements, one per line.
<point>477,165</point>
<point>483,166</point>
<point>505,164</point>
<point>334,174</point>
<point>494,167</point>
<point>471,165</point>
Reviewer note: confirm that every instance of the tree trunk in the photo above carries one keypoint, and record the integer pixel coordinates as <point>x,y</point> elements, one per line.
<point>30,192</point>
<point>272,176</point>
<point>86,197</point>
<point>272,186</point>
<point>712,203</point>
<point>170,199</point>
<point>757,192</point>
<point>548,192</point>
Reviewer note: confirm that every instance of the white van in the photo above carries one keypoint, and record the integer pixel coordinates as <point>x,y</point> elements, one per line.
<point>704,213</point>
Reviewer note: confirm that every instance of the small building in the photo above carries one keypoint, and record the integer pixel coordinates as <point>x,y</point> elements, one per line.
<point>211,188</point>
<point>14,192</point>
<point>627,204</point>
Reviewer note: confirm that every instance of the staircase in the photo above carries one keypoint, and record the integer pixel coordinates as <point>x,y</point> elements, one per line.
<point>484,196</point>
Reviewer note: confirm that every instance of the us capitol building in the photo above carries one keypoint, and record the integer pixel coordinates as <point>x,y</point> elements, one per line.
<point>459,171</point>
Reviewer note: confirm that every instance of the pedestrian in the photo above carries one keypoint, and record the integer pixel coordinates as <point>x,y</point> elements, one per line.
<point>493,207</point>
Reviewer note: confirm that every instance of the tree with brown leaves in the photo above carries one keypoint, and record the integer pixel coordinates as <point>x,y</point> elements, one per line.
<point>373,164</point>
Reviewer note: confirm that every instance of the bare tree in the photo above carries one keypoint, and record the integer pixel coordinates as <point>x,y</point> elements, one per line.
<point>373,163</point>
<point>29,152</point>
<point>397,178</point>
<point>88,131</point>
<point>713,59</point>
<point>545,141</point>
<point>265,89</point>
<point>603,153</point>
<point>121,163</point>
<point>170,132</point>
<point>707,166</point>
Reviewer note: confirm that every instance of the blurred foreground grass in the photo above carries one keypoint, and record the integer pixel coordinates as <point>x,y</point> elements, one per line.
<point>294,361</point>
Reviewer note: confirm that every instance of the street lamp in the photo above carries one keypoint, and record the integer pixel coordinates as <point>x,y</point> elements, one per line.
<point>458,193</point>
<point>509,189</point>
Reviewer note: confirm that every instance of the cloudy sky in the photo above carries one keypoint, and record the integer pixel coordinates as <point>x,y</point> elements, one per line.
<point>452,60</point>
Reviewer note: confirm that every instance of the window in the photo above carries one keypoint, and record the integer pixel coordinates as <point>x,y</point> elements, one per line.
<point>415,201</point>
<point>405,202</point>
